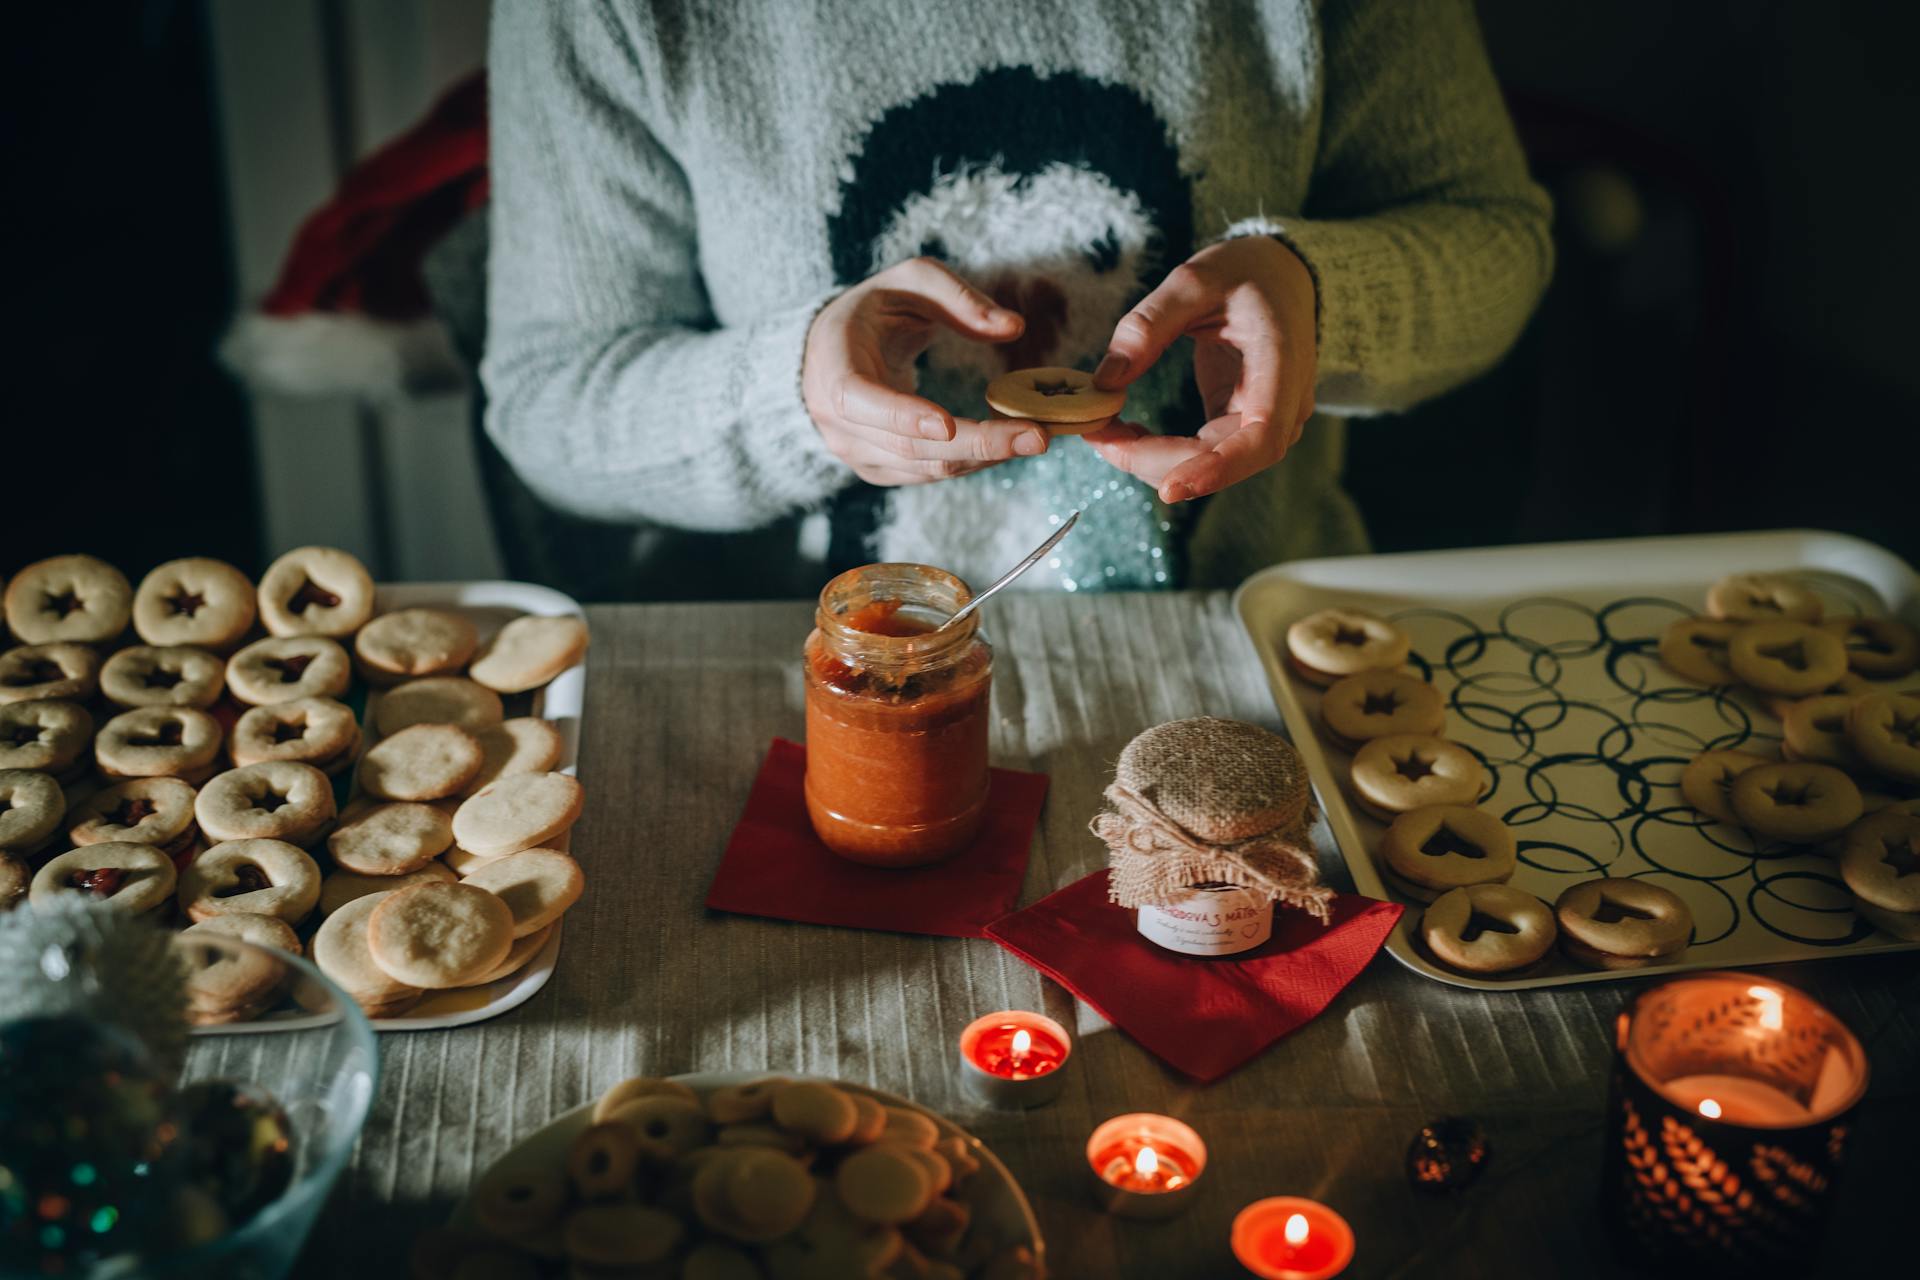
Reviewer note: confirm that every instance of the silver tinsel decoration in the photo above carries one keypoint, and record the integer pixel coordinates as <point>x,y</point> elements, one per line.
<point>75,957</point>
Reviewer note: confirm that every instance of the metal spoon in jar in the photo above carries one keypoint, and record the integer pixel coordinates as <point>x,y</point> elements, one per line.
<point>1033,558</point>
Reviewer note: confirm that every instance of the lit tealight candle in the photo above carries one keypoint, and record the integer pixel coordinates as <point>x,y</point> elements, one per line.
<point>1145,1166</point>
<point>1014,1058</point>
<point>1290,1238</point>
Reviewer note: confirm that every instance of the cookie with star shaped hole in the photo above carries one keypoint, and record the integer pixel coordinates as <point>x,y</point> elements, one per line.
<point>1063,400</point>
<point>1407,771</point>
<point>1376,704</point>
<point>74,598</point>
<point>195,601</point>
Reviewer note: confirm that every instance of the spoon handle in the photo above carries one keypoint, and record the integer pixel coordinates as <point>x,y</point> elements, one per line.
<point>1032,559</point>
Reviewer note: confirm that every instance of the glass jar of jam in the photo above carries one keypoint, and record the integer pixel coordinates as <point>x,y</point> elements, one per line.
<point>896,716</point>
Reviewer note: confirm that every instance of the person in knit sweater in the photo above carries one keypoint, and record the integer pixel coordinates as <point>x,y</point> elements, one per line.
<point>752,264</point>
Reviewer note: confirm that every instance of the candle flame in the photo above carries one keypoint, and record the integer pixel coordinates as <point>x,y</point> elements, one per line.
<point>1022,1042</point>
<point>1709,1108</point>
<point>1297,1229</point>
<point>1772,1007</point>
<point>1147,1163</point>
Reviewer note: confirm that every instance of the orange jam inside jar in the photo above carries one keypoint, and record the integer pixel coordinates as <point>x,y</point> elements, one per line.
<point>896,717</point>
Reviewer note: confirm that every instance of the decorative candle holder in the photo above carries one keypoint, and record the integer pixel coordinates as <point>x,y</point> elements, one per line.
<point>1145,1166</point>
<point>1014,1059</point>
<point>1290,1238</point>
<point>1730,1106</point>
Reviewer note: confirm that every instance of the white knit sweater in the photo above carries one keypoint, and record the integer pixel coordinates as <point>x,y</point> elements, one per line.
<point>679,187</point>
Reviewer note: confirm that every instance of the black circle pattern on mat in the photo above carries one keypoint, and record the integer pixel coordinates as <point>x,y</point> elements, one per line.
<point>1585,734</point>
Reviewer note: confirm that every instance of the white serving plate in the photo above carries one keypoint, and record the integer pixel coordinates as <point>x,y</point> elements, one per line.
<point>1511,637</point>
<point>999,1205</point>
<point>490,605</point>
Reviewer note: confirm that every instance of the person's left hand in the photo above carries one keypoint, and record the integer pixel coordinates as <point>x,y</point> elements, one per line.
<point>1248,305</point>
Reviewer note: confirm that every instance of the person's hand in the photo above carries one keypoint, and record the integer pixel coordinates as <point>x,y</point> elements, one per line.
<point>859,367</point>
<point>1248,305</point>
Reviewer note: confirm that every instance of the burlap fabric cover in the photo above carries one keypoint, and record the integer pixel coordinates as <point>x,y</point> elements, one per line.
<point>1210,801</point>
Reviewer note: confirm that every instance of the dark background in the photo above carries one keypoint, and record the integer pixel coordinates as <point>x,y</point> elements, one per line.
<point>1726,344</point>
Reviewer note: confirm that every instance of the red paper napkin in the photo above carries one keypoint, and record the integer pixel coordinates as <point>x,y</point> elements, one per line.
<point>1205,1016</point>
<point>776,866</point>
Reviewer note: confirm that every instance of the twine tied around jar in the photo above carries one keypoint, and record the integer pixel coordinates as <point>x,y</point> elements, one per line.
<point>1210,801</point>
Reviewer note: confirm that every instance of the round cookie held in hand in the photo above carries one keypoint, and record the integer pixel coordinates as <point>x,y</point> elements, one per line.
<point>1062,399</point>
<point>1488,929</point>
<point>1378,704</point>
<point>194,601</point>
<point>517,812</point>
<point>257,877</point>
<point>1795,803</point>
<point>142,675</point>
<point>538,885</point>
<point>530,651</point>
<point>1324,646</point>
<point>32,672</point>
<point>132,877</point>
<point>1622,924</point>
<point>1438,848</point>
<point>414,642</point>
<point>391,839</point>
<point>315,591</point>
<point>284,668</point>
<point>68,599</point>
<point>278,800</point>
<point>422,762</point>
<point>451,700</point>
<point>439,935</point>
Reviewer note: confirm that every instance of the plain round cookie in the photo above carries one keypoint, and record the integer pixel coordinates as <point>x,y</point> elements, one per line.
<point>142,675</point>
<point>1762,597</point>
<point>155,811</point>
<point>1622,924</point>
<point>414,642</point>
<point>31,672</point>
<point>1884,648</point>
<point>1329,644</point>
<point>1880,861</point>
<point>158,742</point>
<point>278,800</point>
<point>1432,850</point>
<point>131,877</point>
<point>195,601</point>
<point>1696,649</point>
<point>1411,771</point>
<point>315,591</point>
<point>517,812</point>
<point>341,950</point>
<point>1884,730</point>
<point>1707,781</point>
<point>440,935</point>
<point>1488,928</point>
<point>1054,396</point>
<point>390,839</point>
<point>422,762</point>
<point>50,734</point>
<point>1377,704</point>
<point>316,731</point>
<point>341,887</point>
<point>1787,659</point>
<point>68,599</point>
<point>284,668</point>
<point>519,956</point>
<point>437,700</point>
<point>525,744</point>
<point>883,1185</point>
<point>529,652</point>
<point>31,806</point>
<point>260,877</point>
<point>1795,803</point>
<point>538,885</point>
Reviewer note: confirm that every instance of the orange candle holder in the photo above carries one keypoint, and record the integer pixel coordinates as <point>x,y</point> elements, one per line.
<point>1731,1102</point>
<point>1014,1059</point>
<point>1292,1238</point>
<point>1145,1166</point>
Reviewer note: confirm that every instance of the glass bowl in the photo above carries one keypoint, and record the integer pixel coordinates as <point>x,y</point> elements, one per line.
<point>321,1064</point>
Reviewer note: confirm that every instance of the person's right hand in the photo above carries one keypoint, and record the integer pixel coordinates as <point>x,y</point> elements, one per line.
<point>858,372</point>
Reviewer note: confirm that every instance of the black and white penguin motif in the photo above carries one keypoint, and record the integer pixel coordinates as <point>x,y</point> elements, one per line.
<point>1062,198</point>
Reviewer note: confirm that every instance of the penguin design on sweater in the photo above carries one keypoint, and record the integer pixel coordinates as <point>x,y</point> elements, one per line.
<point>1062,198</point>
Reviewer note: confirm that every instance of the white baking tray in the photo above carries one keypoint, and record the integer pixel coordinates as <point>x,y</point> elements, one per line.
<point>490,605</point>
<point>1546,656</point>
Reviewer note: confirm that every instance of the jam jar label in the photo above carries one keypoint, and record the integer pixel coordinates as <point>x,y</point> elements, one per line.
<point>1209,920</point>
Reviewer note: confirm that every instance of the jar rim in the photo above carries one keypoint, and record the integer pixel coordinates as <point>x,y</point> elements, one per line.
<point>920,586</point>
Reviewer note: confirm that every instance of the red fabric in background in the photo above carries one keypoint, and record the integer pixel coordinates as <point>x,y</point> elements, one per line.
<point>775,865</point>
<point>362,250</point>
<point>1204,1016</point>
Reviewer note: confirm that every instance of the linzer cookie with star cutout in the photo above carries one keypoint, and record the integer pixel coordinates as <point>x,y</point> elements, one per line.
<point>1064,400</point>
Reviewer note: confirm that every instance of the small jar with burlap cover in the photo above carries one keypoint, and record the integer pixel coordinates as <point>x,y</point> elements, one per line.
<point>1207,830</point>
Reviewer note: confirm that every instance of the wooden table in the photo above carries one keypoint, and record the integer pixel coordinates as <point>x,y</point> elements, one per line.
<point>683,700</point>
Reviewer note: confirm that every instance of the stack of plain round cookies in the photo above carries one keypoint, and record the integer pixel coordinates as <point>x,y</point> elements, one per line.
<point>193,773</point>
<point>1847,783</point>
<point>784,1179</point>
<point>1439,846</point>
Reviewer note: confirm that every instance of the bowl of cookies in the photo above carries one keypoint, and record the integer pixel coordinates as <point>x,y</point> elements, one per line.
<point>736,1176</point>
